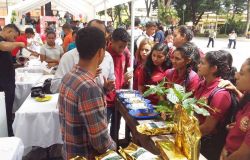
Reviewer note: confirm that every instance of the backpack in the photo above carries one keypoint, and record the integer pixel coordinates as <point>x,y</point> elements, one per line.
<point>233,108</point>
<point>211,145</point>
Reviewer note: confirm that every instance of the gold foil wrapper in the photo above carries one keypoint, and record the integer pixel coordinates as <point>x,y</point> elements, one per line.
<point>134,152</point>
<point>155,128</point>
<point>78,158</point>
<point>109,155</point>
<point>188,134</point>
<point>169,151</point>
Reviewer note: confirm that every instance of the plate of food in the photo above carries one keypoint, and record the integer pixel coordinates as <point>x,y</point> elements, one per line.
<point>144,114</point>
<point>43,98</point>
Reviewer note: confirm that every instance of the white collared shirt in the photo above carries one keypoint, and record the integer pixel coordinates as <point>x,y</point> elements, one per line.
<point>71,58</point>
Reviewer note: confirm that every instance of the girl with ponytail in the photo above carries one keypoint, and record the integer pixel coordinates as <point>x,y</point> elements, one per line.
<point>213,68</point>
<point>185,60</point>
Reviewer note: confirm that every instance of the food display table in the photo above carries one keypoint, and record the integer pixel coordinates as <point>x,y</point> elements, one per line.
<point>25,80</point>
<point>37,123</point>
<point>147,142</point>
<point>11,148</point>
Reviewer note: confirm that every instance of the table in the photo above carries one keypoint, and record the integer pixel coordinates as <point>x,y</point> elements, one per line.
<point>3,118</point>
<point>25,80</point>
<point>11,148</point>
<point>147,142</point>
<point>37,123</point>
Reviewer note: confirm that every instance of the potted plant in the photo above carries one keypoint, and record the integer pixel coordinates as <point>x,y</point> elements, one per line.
<point>178,103</point>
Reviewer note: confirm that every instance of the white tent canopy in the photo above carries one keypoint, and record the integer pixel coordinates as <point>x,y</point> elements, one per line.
<point>75,7</point>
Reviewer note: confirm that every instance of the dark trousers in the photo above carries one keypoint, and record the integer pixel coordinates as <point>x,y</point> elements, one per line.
<point>211,146</point>
<point>209,41</point>
<point>230,43</point>
<point>9,91</point>
<point>111,119</point>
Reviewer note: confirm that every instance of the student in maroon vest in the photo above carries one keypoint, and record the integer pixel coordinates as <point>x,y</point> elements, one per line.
<point>153,71</point>
<point>213,68</point>
<point>185,60</point>
<point>121,57</point>
<point>237,145</point>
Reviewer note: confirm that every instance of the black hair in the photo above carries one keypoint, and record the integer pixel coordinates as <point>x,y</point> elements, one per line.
<point>66,26</point>
<point>149,65</point>
<point>159,26</point>
<point>29,30</point>
<point>137,21</point>
<point>50,32</point>
<point>151,24</point>
<point>220,59</point>
<point>186,32</point>
<point>191,51</point>
<point>233,70</point>
<point>12,26</point>
<point>75,32</point>
<point>88,41</point>
<point>120,34</point>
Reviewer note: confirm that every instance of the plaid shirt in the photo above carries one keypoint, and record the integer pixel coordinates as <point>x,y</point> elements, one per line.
<point>83,115</point>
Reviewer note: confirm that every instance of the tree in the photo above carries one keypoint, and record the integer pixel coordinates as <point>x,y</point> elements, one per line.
<point>195,8</point>
<point>248,17</point>
<point>148,4</point>
<point>166,13</point>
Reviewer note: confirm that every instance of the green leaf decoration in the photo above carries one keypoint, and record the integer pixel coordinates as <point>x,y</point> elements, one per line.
<point>199,110</point>
<point>171,96</point>
<point>179,88</point>
<point>187,95</point>
<point>177,95</point>
<point>188,102</point>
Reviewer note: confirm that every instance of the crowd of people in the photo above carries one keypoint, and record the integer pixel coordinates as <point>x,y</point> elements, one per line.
<point>94,62</point>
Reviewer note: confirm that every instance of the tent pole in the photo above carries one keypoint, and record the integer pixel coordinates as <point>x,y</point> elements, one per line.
<point>132,39</point>
<point>105,12</point>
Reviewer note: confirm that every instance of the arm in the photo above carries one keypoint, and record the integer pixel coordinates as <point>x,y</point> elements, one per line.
<point>9,46</point>
<point>243,153</point>
<point>208,126</point>
<point>92,110</point>
<point>229,86</point>
<point>220,102</point>
<point>141,79</point>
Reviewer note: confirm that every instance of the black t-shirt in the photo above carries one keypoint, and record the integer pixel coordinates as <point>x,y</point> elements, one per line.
<point>7,72</point>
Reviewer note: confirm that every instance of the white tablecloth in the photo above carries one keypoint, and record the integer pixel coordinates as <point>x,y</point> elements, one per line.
<point>24,83</point>
<point>3,118</point>
<point>37,123</point>
<point>11,148</point>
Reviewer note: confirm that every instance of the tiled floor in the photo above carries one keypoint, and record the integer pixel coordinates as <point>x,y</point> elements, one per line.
<point>54,151</point>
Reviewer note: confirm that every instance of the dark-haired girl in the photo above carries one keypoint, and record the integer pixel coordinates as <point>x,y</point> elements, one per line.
<point>213,68</point>
<point>237,145</point>
<point>185,60</point>
<point>154,69</point>
<point>181,36</point>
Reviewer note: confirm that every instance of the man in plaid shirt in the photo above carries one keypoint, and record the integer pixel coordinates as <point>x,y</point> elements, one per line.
<point>81,102</point>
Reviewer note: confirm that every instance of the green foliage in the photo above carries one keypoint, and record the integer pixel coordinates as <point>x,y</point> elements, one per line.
<point>195,9</point>
<point>177,95</point>
<point>167,14</point>
<point>13,17</point>
<point>233,24</point>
